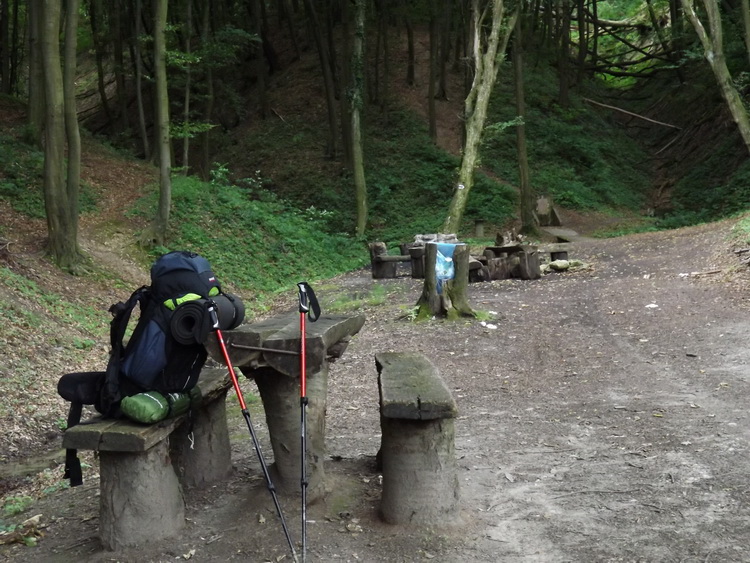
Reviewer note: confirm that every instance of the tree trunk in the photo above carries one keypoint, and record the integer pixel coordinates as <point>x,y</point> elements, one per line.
<point>488,53</point>
<point>358,165</point>
<point>36,111</point>
<point>139,80</point>
<point>118,16</point>
<point>158,233</point>
<point>746,24</point>
<point>563,54</point>
<point>410,50</point>
<point>431,111</point>
<point>71,126</point>
<point>714,53</point>
<point>5,47</point>
<point>185,164</point>
<point>345,80</point>
<point>62,243</point>
<point>447,299</point>
<point>97,36</point>
<point>328,83</point>
<point>209,102</point>
<point>529,221</point>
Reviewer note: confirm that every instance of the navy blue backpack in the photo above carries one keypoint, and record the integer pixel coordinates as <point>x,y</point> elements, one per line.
<point>165,352</point>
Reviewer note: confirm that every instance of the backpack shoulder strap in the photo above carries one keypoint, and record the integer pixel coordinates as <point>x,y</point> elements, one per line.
<point>111,393</point>
<point>72,463</point>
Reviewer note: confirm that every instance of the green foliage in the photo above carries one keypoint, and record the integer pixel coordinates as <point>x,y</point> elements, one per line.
<point>21,180</point>
<point>16,505</point>
<point>256,240</point>
<point>711,189</point>
<point>569,157</point>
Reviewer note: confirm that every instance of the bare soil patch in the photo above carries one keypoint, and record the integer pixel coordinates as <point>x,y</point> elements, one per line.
<point>603,417</point>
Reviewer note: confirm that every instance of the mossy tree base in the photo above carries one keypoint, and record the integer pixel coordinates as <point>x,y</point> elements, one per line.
<point>451,302</point>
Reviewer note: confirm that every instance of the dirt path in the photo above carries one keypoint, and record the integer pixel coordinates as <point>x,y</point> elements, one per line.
<point>604,419</point>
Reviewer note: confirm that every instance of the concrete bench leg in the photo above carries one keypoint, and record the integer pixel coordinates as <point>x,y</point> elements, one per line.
<point>200,448</point>
<point>280,396</point>
<point>420,480</point>
<point>141,498</point>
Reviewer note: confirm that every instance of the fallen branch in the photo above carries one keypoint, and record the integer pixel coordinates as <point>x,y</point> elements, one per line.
<point>706,273</point>
<point>631,114</point>
<point>742,250</point>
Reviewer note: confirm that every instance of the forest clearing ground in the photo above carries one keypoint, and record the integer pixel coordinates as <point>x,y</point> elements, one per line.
<point>604,419</point>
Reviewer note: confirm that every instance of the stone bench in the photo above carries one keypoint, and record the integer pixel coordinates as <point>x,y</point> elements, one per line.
<point>144,469</point>
<point>268,353</point>
<point>417,452</point>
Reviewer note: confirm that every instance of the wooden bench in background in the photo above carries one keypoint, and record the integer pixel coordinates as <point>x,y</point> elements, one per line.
<point>385,265</point>
<point>144,469</point>
<point>417,452</point>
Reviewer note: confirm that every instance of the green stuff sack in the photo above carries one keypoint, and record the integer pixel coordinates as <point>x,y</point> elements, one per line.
<point>153,406</point>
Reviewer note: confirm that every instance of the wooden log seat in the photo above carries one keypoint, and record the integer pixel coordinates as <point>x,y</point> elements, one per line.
<point>417,452</point>
<point>145,469</point>
<point>268,352</point>
<point>519,261</point>
<point>385,265</point>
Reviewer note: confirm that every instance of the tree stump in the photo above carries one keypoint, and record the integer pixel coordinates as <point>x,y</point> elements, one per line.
<point>448,299</point>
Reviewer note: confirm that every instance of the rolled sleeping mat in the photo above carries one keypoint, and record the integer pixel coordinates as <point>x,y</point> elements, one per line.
<point>231,310</point>
<point>191,322</point>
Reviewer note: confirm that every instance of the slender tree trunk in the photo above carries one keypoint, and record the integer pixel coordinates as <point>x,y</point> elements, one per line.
<point>37,103</point>
<point>360,186</point>
<point>97,35</point>
<point>328,82</point>
<point>746,24</point>
<point>345,80</point>
<point>261,66</point>
<point>158,234</point>
<point>5,47</point>
<point>410,47</point>
<point>714,52</point>
<point>139,80</point>
<point>62,243</point>
<point>186,102</point>
<point>431,94</point>
<point>529,222</point>
<point>119,45</point>
<point>563,61</point>
<point>209,104</point>
<point>385,89</point>
<point>71,119</point>
<point>488,53</point>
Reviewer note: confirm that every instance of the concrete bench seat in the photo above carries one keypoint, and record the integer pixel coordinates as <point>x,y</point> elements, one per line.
<point>417,452</point>
<point>145,469</point>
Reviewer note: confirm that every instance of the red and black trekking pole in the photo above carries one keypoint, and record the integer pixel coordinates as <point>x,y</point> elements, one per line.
<point>307,301</point>
<point>271,488</point>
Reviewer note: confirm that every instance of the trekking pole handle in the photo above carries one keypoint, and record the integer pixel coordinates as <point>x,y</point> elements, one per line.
<point>213,315</point>
<point>308,303</point>
<point>304,302</point>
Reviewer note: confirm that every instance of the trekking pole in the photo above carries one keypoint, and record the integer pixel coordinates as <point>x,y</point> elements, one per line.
<point>271,488</point>
<point>306,300</point>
